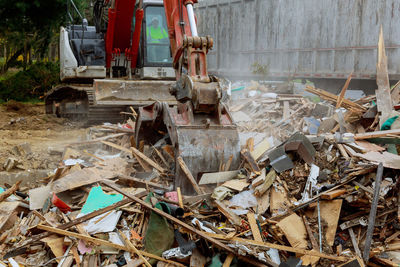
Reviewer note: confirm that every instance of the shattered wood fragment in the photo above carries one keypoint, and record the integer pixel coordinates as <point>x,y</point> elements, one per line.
<point>383,97</point>
<point>147,160</point>
<point>259,180</point>
<point>260,149</point>
<point>232,217</point>
<point>133,248</point>
<point>333,194</point>
<point>330,212</point>
<point>254,227</point>
<point>236,184</point>
<point>228,260</point>
<point>269,180</point>
<point>189,175</point>
<point>250,160</point>
<point>343,92</point>
<point>354,242</point>
<point>142,182</point>
<point>10,191</point>
<point>217,177</point>
<point>281,247</point>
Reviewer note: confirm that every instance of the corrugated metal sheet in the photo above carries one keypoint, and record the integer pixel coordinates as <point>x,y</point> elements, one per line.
<point>301,38</point>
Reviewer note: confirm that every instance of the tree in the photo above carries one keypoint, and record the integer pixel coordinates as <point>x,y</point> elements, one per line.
<point>30,24</point>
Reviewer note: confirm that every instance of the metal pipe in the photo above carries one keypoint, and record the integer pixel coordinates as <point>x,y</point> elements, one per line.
<point>192,21</point>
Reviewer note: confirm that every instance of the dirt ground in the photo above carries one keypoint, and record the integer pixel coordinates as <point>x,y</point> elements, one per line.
<point>45,134</point>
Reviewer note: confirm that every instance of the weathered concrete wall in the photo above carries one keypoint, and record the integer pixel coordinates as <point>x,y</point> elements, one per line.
<point>301,38</point>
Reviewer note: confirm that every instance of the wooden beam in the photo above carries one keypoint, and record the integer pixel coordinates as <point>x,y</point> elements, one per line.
<point>189,175</point>
<point>10,191</point>
<point>254,227</point>
<point>376,134</point>
<point>132,247</point>
<point>280,247</point>
<point>147,160</point>
<point>98,241</point>
<point>343,92</point>
<point>117,146</point>
<point>143,182</point>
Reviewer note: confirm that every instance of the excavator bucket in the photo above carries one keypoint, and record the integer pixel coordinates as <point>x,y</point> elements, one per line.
<point>203,144</point>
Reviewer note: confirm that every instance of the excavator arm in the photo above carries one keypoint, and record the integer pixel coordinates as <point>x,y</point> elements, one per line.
<point>200,127</point>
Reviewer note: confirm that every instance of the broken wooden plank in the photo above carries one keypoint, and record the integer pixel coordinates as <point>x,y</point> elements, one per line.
<point>250,161</point>
<point>343,92</point>
<point>106,169</point>
<point>232,217</point>
<point>330,212</point>
<point>98,241</point>
<point>236,184</point>
<point>260,149</point>
<point>6,210</point>
<point>377,134</point>
<point>354,242</point>
<point>280,247</point>
<point>372,214</point>
<point>133,248</point>
<point>333,194</point>
<point>189,175</point>
<point>293,228</point>
<point>143,182</point>
<point>269,180</point>
<point>254,227</point>
<point>117,147</point>
<point>147,160</point>
<point>10,191</point>
<point>217,177</point>
<point>383,97</point>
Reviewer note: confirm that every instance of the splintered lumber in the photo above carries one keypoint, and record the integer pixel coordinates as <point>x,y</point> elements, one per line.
<point>117,146</point>
<point>232,217</point>
<point>217,177</point>
<point>354,242</point>
<point>169,217</point>
<point>10,191</point>
<point>254,227</point>
<point>333,194</point>
<point>330,212</point>
<point>98,241</point>
<point>343,92</point>
<point>295,231</point>
<point>260,149</point>
<point>269,180</point>
<point>377,134</point>
<point>133,248</point>
<point>189,175</point>
<point>250,160</point>
<point>280,247</point>
<point>147,160</point>
<point>383,97</point>
<point>142,182</point>
<point>372,213</point>
<point>347,104</point>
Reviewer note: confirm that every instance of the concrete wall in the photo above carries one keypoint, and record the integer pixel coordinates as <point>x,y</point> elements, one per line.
<point>301,38</point>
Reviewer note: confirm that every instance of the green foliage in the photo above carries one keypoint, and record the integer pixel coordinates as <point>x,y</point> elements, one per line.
<point>30,84</point>
<point>260,69</point>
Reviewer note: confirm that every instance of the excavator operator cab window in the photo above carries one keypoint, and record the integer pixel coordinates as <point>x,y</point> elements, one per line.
<point>157,51</point>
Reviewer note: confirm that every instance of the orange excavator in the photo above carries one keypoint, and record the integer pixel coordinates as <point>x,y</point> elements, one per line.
<point>148,55</point>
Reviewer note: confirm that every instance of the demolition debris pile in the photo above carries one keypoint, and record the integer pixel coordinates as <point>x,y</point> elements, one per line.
<point>318,184</point>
